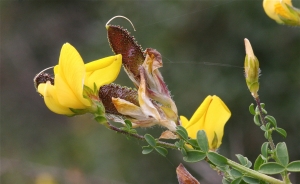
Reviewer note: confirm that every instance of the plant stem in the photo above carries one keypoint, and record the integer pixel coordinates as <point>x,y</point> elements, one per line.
<point>140,137</point>
<point>253,173</point>
<point>284,175</point>
<point>262,118</point>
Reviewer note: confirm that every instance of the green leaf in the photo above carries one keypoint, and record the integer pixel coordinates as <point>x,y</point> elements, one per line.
<point>193,142</point>
<point>235,174</point>
<point>263,127</point>
<point>150,140</point>
<point>294,166</point>
<point>272,120</point>
<point>264,149</point>
<point>281,131</point>
<point>244,160</point>
<point>225,181</point>
<point>257,120</point>
<point>258,162</point>
<point>271,168</point>
<point>180,143</point>
<point>216,159</point>
<point>268,125</point>
<point>147,150</point>
<point>202,140</point>
<point>267,134</point>
<point>251,109</point>
<point>161,150</point>
<point>183,151</point>
<point>236,181</point>
<point>194,156</point>
<point>262,105</point>
<point>282,153</point>
<point>182,134</point>
<point>250,180</point>
<point>128,123</point>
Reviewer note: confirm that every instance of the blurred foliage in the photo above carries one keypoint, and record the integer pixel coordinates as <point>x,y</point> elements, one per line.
<point>191,36</point>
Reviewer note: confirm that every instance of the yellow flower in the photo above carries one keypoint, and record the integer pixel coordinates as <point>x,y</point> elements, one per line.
<point>211,116</point>
<point>70,77</point>
<point>282,11</point>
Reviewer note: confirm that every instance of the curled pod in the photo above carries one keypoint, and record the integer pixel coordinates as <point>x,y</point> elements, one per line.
<point>107,92</point>
<point>123,43</point>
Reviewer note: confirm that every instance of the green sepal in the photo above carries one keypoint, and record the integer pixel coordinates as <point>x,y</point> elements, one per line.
<point>79,111</point>
<point>194,156</point>
<point>258,162</point>
<point>251,180</point>
<point>271,168</point>
<point>244,160</point>
<point>293,166</point>
<point>251,109</point>
<point>147,149</point>
<point>272,120</point>
<point>182,132</point>
<point>264,149</point>
<point>282,153</point>
<point>161,150</point>
<point>202,140</point>
<point>256,119</point>
<point>217,159</point>
<point>281,131</point>
<point>100,119</point>
<point>150,140</point>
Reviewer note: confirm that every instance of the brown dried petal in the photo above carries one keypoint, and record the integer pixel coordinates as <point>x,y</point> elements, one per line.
<point>184,177</point>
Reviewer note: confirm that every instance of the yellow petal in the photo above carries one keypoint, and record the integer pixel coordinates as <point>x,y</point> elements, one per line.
<point>106,70</point>
<point>51,101</point>
<point>127,108</point>
<point>197,117</point>
<point>71,70</point>
<point>275,7</point>
<point>65,95</point>
<point>216,117</point>
<point>184,121</point>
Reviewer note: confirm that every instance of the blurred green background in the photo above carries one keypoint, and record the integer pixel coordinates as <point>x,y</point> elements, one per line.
<point>38,145</point>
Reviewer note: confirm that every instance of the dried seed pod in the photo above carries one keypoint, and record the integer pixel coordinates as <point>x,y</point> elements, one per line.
<point>184,177</point>
<point>122,43</point>
<point>106,93</point>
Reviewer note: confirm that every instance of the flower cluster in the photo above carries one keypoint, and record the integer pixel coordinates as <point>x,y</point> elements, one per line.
<point>79,88</point>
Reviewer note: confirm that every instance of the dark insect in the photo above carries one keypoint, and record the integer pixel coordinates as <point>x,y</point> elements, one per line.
<point>42,78</point>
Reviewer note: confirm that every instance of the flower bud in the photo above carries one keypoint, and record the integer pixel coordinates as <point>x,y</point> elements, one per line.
<point>252,70</point>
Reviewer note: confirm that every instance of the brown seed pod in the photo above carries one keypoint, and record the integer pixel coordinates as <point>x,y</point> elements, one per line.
<point>123,43</point>
<point>106,93</point>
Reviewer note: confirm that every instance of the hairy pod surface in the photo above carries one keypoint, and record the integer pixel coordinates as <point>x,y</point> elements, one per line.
<point>122,43</point>
<point>106,93</point>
